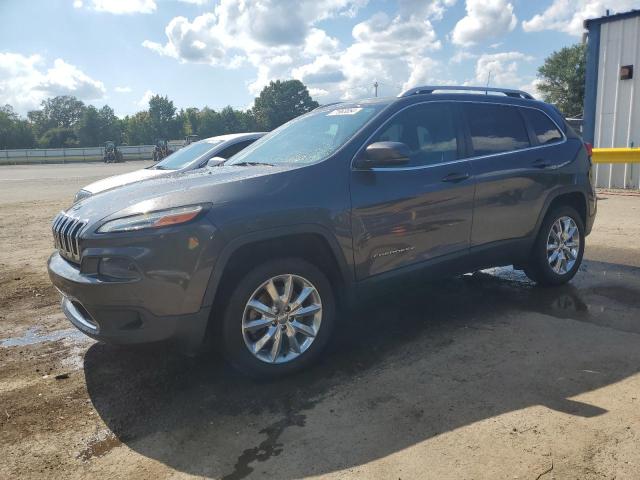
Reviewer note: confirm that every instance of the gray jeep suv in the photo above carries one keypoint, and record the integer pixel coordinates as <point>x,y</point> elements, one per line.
<point>257,255</point>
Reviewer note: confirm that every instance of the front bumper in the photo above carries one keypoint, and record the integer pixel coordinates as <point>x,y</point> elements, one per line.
<point>113,312</point>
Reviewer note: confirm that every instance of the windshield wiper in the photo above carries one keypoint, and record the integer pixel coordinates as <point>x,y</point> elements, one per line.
<point>251,164</point>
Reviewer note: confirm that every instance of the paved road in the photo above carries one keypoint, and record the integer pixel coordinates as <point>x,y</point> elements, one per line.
<point>49,182</point>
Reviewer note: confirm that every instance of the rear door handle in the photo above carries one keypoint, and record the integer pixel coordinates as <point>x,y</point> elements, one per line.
<point>456,177</point>
<point>541,163</point>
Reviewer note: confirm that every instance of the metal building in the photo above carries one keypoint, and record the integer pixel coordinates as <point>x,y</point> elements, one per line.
<point>612,94</point>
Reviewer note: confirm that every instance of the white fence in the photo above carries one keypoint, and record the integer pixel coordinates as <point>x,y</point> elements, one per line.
<point>69,155</point>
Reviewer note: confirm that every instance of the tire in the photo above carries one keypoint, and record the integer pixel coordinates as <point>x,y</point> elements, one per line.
<point>539,269</point>
<point>239,317</point>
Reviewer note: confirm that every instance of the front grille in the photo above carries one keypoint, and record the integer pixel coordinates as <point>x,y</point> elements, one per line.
<point>66,235</point>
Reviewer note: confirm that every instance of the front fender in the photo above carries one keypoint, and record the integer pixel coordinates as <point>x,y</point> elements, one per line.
<point>346,270</point>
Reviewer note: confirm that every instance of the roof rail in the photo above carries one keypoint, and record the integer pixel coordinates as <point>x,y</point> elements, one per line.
<point>431,88</point>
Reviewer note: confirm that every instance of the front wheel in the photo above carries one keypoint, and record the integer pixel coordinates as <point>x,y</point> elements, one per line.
<point>279,318</point>
<point>558,249</point>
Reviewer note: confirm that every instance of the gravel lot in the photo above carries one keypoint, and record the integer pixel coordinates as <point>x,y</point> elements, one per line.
<point>483,376</point>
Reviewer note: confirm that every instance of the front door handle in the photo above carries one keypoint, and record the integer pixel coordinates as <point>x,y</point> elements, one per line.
<point>456,177</point>
<point>541,163</point>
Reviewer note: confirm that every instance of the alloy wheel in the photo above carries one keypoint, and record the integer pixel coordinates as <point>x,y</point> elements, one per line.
<point>282,318</point>
<point>563,245</point>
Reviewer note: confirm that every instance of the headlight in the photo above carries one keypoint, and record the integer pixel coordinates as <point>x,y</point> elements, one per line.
<point>157,219</point>
<point>81,194</point>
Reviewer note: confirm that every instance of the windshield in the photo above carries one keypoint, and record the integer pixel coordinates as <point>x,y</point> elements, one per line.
<point>307,139</point>
<point>186,155</point>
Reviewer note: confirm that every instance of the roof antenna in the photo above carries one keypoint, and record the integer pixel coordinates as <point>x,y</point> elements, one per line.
<point>486,92</point>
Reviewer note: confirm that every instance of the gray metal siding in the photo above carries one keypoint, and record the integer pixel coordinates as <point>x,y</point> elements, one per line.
<point>617,115</point>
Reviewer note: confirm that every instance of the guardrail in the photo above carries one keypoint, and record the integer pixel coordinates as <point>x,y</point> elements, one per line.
<point>616,155</point>
<point>70,155</point>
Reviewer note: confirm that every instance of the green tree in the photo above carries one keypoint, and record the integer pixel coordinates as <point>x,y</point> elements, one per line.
<point>209,123</point>
<point>58,137</point>
<point>190,121</point>
<point>14,132</point>
<point>162,113</point>
<point>110,125</point>
<point>62,111</point>
<point>562,78</point>
<point>280,101</point>
<point>89,128</point>
<point>38,122</point>
<point>232,120</point>
<point>97,126</point>
<point>138,129</point>
<point>57,112</point>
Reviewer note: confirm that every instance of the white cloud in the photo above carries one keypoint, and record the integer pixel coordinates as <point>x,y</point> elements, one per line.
<point>568,15</point>
<point>394,51</point>
<point>195,2</point>
<point>119,7</point>
<point>123,89</point>
<point>462,56</point>
<point>485,19</point>
<point>532,88</point>
<point>423,72</point>
<point>503,67</point>
<point>284,40</point>
<point>196,41</point>
<point>433,9</point>
<point>324,69</point>
<point>318,42</point>
<point>25,81</point>
<point>251,27</point>
<point>144,100</point>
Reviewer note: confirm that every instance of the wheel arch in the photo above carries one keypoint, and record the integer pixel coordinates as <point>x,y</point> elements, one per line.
<point>570,196</point>
<point>311,242</point>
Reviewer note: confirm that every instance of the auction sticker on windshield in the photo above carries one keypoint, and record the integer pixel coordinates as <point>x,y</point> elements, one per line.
<point>345,111</point>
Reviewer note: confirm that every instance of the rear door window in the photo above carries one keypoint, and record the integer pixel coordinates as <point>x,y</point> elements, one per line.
<point>545,130</point>
<point>495,128</point>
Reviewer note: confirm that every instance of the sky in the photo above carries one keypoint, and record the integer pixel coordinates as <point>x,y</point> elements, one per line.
<point>223,52</point>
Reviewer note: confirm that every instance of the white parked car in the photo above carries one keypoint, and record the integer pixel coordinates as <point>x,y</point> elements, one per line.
<point>193,156</point>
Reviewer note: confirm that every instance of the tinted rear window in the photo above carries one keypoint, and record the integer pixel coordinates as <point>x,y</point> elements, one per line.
<point>495,128</point>
<point>546,131</point>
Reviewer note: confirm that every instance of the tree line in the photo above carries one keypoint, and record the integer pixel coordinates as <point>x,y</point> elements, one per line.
<point>65,121</point>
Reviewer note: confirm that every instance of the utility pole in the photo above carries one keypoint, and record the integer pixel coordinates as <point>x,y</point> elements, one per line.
<point>375,88</point>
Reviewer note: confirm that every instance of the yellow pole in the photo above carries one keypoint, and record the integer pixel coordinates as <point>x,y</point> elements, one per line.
<point>616,155</point>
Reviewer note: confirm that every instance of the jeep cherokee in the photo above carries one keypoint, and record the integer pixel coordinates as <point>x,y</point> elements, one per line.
<point>257,254</point>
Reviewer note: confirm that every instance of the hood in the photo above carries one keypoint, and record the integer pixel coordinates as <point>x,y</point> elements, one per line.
<point>123,179</point>
<point>211,185</point>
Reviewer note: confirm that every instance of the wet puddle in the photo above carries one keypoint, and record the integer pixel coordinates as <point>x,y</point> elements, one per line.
<point>32,337</point>
<point>99,446</point>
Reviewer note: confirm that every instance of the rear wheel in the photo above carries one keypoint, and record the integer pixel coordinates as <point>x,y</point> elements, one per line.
<point>279,318</point>
<point>558,249</point>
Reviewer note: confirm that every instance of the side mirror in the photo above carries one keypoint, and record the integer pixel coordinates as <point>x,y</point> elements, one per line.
<point>384,154</point>
<point>216,161</point>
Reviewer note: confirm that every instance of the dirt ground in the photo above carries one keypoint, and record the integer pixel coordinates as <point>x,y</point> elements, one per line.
<point>482,376</point>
